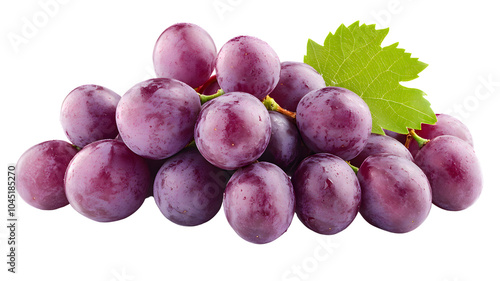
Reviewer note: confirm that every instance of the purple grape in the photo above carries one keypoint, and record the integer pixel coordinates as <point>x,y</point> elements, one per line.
<point>106,181</point>
<point>232,130</point>
<point>88,114</point>
<point>247,64</point>
<point>156,117</point>
<point>259,202</point>
<point>395,193</point>
<point>296,80</point>
<point>40,174</point>
<point>453,171</point>
<point>334,120</point>
<point>381,144</point>
<point>283,147</point>
<point>185,52</point>
<point>445,125</point>
<point>327,193</point>
<point>188,190</point>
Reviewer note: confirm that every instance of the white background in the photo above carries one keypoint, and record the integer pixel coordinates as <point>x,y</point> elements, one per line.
<point>110,43</point>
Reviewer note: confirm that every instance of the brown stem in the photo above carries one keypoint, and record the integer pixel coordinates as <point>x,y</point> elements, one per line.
<point>210,80</point>
<point>286,112</point>
<point>421,141</point>
<point>408,140</point>
<point>271,104</point>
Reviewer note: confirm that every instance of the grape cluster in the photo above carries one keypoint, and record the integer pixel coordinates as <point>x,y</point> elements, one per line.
<point>264,139</point>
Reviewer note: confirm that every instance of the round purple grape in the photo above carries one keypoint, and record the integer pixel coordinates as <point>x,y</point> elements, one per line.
<point>327,193</point>
<point>296,80</point>
<point>188,190</point>
<point>232,130</point>
<point>185,52</point>
<point>453,170</point>
<point>88,114</point>
<point>395,193</point>
<point>259,202</point>
<point>156,117</point>
<point>248,64</point>
<point>106,181</point>
<point>334,120</point>
<point>40,174</point>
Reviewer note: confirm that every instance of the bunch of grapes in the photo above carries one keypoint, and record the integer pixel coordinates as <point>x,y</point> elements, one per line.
<point>264,139</point>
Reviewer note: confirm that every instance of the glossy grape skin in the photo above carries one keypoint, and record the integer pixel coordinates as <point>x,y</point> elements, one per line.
<point>453,170</point>
<point>247,64</point>
<point>395,193</point>
<point>40,174</point>
<point>296,80</point>
<point>232,130</point>
<point>259,202</point>
<point>445,125</point>
<point>88,114</point>
<point>334,120</point>
<point>156,117</point>
<point>106,181</point>
<point>188,190</point>
<point>327,193</point>
<point>283,147</point>
<point>381,144</point>
<point>185,52</point>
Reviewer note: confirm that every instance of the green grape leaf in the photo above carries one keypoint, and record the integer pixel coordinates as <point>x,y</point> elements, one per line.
<point>353,58</point>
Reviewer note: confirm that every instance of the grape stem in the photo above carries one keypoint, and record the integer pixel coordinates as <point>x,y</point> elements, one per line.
<point>205,98</point>
<point>272,105</point>
<point>210,80</point>
<point>421,141</point>
<point>354,168</point>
